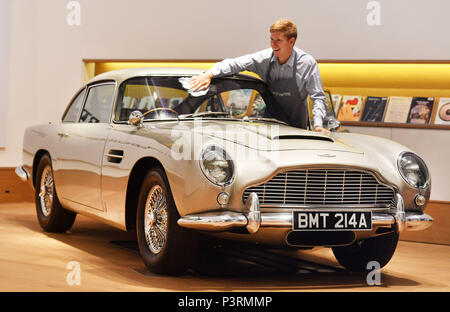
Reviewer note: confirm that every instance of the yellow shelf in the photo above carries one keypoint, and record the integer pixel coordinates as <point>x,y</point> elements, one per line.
<point>374,78</point>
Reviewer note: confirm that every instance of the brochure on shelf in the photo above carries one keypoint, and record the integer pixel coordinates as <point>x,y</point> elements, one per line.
<point>420,111</point>
<point>350,108</point>
<point>336,98</point>
<point>398,109</point>
<point>443,112</point>
<point>374,109</point>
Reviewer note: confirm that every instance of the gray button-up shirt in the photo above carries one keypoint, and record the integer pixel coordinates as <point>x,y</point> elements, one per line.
<point>308,75</point>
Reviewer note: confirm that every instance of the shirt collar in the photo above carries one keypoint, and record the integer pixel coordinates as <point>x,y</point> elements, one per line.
<point>290,61</point>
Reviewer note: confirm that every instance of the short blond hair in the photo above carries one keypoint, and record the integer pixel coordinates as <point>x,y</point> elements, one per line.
<point>286,26</point>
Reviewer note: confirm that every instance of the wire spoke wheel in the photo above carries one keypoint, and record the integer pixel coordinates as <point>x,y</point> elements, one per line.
<point>47,189</point>
<point>51,215</point>
<point>165,247</point>
<point>155,219</point>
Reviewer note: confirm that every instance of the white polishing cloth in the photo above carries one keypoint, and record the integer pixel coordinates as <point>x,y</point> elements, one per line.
<point>185,82</point>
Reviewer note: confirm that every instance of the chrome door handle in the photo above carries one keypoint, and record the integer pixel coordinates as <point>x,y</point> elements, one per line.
<point>63,134</point>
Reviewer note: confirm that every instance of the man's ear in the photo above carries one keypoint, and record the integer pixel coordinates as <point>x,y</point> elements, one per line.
<point>292,41</point>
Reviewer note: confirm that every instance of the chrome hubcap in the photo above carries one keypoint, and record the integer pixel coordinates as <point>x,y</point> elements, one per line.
<point>155,219</point>
<point>46,190</point>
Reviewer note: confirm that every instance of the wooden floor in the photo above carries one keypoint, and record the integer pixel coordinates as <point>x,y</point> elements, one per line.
<point>13,190</point>
<point>32,260</point>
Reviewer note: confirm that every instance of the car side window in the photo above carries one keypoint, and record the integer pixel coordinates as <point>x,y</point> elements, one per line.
<point>237,102</point>
<point>71,114</point>
<point>244,102</point>
<point>99,102</point>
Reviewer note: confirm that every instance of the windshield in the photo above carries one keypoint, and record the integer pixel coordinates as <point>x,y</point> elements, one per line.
<point>165,98</point>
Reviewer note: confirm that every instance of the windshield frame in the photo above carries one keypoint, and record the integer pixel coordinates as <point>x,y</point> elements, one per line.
<point>244,80</point>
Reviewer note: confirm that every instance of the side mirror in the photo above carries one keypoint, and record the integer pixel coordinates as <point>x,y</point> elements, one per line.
<point>333,124</point>
<point>136,118</point>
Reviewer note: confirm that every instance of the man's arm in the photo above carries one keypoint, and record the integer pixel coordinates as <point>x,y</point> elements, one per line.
<point>315,90</point>
<point>250,62</point>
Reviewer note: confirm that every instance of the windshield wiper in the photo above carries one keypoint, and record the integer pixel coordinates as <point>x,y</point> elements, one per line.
<point>208,114</point>
<point>203,114</point>
<point>264,119</point>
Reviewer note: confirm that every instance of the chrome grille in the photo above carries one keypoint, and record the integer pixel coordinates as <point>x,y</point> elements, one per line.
<point>322,187</point>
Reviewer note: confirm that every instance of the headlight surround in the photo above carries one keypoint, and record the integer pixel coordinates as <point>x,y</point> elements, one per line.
<point>217,165</point>
<point>413,170</point>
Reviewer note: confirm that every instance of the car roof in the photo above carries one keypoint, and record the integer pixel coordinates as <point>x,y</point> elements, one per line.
<point>124,74</point>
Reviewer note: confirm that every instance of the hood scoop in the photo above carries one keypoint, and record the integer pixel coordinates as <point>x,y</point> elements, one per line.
<point>302,137</point>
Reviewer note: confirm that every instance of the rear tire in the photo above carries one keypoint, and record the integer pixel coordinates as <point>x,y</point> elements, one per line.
<point>165,247</point>
<point>51,215</point>
<point>356,256</point>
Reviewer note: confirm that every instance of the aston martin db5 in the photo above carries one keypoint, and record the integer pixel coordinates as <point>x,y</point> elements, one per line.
<point>141,151</point>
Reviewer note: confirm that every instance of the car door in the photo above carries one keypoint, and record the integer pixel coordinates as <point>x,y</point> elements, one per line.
<point>80,150</point>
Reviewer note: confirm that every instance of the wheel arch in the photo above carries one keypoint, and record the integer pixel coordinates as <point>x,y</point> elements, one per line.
<point>37,158</point>
<point>137,175</point>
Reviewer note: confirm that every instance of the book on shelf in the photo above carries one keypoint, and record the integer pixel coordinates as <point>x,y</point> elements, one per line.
<point>350,108</point>
<point>420,110</point>
<point>374,109</point>
<point>443,112</point>
<point>398,109</point>
<point>336,98</point>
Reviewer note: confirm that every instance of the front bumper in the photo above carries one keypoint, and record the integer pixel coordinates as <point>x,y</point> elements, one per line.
<point>253,219</point>
<point>22,173</point>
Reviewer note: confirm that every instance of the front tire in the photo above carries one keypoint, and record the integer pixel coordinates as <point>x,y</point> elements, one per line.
<point>356,256</point>
<point>165,247</point>
<point>51,215</point>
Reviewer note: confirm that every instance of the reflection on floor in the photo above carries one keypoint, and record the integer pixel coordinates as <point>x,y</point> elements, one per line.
<point>224,258</point>
<point>33,260</point>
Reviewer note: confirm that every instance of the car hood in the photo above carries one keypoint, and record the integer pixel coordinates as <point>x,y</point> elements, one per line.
<point>271,137</point>
<point>279,146</point>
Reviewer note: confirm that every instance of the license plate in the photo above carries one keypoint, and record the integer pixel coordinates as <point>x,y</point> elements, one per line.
<point>306,220</point>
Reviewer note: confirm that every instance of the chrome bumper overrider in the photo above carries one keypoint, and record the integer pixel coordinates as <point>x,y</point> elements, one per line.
<point>22,173</point>
<point>252,219</point>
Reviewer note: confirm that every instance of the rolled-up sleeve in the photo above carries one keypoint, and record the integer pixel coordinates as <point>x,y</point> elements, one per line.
<point>315,90</point>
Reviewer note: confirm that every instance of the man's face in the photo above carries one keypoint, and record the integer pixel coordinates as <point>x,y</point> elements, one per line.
<point>281,46</point>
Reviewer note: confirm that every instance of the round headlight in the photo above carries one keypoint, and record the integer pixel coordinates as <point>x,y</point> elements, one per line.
<point>216,165</point>
<point>413,170</point>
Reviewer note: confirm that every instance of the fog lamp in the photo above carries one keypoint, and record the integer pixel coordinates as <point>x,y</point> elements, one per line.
<point>420,200</point>
<point>223,198</point>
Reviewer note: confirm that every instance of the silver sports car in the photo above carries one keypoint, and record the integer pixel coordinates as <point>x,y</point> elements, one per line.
<point>140,150</point>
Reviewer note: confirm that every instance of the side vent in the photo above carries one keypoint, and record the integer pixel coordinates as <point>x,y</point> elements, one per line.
<point>114,156</point>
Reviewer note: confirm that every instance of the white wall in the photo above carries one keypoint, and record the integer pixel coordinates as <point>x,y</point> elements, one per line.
<point>432,145</point>
<point>46,53</point>
<point>5,25</point>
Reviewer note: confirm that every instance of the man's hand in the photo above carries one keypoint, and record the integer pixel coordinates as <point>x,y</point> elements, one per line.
<point>201,82</point>
<point>321,129</point>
